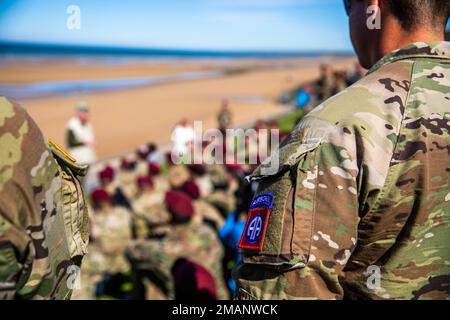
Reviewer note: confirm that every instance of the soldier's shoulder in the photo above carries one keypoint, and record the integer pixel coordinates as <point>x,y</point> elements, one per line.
<point>15,119</point>
<point>11,114</point>
<point>371,110</point>
<point>374,103</point>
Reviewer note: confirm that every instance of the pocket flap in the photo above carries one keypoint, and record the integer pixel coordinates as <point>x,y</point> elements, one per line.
<point>66,159</point>
<point>289,154</point>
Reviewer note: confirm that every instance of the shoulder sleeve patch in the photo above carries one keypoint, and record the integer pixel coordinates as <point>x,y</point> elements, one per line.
<point>258,217</point>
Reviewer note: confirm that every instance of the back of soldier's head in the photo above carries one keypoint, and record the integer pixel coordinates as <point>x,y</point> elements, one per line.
<point>416,14</point>
<point>378,27</point>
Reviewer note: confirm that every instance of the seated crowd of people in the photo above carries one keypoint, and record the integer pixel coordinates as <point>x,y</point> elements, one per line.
<point>153,222</point>
<point>166,231</point>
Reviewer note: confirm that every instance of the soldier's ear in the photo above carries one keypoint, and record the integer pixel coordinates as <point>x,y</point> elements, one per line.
<point>382,4</point>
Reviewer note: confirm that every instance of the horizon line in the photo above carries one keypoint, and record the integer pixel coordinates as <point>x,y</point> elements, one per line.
<point>64,48</point>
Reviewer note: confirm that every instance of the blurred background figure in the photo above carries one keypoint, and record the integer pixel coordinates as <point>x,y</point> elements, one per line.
<point>356,74</point>
<point>182,138</point>
<point>225,117</point>
<point>304,97</point>
<point>325,86</point>
<point>110,234</point>
<point>80,136</point>
<point>147,208</point>
<point>154,155</point>
<point>340,81</point>
<point>153,258</point>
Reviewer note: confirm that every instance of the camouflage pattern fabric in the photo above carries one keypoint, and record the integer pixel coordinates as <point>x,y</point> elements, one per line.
<point>161,184</point>
<point>141,167</point>
<point>222,200</point>
<point>325,87</point>
<point>148,210</point>
<point>198,243</point>
<point>206,212</point>
<point>127,181</point>
<point>43,217</point>
<point>363,183</point>
<point>177,176</point>
<point>111,233</point>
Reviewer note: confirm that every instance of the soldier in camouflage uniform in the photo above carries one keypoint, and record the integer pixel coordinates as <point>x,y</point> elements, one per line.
<point>148,208</point>
<point>325,86</point>
<point>43,216</point>
<point>127,177</point>
<point>362,187</point>
<point>221,197</point>
<point>153,258</point>
<point>205,212</point>
<point>111,232</point>
<point>225,118</point>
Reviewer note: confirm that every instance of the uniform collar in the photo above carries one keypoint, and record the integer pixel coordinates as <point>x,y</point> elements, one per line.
<point>432,50</point>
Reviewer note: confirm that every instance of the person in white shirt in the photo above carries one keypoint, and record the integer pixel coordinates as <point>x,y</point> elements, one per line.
<point>80,136</point>
<point>182,138</point>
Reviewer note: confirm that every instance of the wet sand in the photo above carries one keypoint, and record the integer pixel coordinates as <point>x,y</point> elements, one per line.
<point>124,119</point>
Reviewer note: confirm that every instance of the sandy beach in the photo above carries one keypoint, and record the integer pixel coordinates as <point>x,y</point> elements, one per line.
<point>124,119</point>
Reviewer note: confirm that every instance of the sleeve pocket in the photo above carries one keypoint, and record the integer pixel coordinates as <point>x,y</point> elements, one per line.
<point>287,240</point>
<point>74,210</point>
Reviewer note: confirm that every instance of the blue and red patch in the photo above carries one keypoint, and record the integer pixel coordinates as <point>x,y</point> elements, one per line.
<point>258,217</point>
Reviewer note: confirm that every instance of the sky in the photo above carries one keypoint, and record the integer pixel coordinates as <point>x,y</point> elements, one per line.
<point>272,25</point>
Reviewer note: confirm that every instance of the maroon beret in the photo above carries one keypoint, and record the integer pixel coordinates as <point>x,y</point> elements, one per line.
<point>142,152</point>
<point>234,168</point>
<point>144,181</point>
<point>191,189</point>
<point>179,204</point>
<point>100,195</point>
<point>107,173</point>
<point>153,169</point>
<point>169,158</point>
<point>193,282</point>
<point>127,164</point>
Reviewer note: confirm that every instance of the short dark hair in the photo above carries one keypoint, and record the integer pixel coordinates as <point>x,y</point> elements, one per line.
<point>415,13</point>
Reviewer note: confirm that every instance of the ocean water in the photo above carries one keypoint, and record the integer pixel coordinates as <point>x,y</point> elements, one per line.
<point>38,49</point>
<point>81,87</point>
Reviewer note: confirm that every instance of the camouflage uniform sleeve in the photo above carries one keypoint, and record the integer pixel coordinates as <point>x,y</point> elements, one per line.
<point>41,212</point>
<point>312,226</point>
<point>18,208</point>
<point>12,240</point>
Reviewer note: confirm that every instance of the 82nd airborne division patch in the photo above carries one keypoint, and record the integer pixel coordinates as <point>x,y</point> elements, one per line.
<point>258,217</point>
